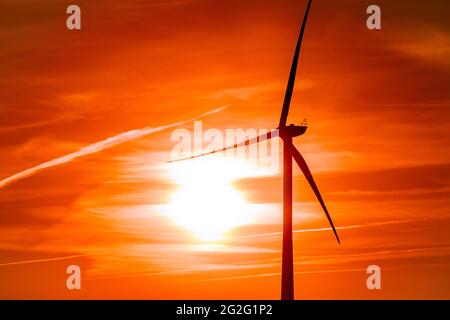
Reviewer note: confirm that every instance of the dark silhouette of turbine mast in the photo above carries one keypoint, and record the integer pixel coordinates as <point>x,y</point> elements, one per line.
<point>286,133</point>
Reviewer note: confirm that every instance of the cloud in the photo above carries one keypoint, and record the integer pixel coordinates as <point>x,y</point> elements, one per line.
<point>32,125</point>
<point>430,43</point>
<point>409,192</point>
<point>277,274</point>
<point>349,227</point>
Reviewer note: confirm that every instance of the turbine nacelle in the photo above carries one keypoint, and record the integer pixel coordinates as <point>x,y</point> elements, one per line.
<point>292,131</point>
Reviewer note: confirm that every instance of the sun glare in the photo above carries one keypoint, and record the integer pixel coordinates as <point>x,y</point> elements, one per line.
<point>206,203</point>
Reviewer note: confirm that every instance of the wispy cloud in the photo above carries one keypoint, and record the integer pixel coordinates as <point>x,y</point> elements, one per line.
<point>277,274</point>
<point>412,192</point>
<point>430,43</point>
<point>33,125</point>
<point>356,226</point>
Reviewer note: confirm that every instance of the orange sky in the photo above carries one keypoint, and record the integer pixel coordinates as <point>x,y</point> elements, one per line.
<point>377,108</point>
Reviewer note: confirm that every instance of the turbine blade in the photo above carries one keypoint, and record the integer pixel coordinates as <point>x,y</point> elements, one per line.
<point>304,167</point>
<point>261,138</point>
<point>290,86</point>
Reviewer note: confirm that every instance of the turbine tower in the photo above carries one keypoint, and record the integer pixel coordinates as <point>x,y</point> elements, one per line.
<point>287,133</point>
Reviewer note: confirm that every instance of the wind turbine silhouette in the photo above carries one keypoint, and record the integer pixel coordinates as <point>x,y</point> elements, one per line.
<point>286,133</point>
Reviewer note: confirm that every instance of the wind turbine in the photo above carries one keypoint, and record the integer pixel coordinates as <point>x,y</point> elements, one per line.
<point>286,133</point>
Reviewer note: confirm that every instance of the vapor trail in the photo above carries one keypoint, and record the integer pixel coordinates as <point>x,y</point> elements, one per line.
<point>99,146</point>
<point>42,260</point>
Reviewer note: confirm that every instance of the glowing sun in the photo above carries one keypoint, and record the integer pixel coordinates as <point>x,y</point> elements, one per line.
<point>206,202</point>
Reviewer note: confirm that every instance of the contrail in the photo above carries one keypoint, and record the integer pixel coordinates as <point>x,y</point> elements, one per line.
<point>99,146</point>
<point>42,260</point>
